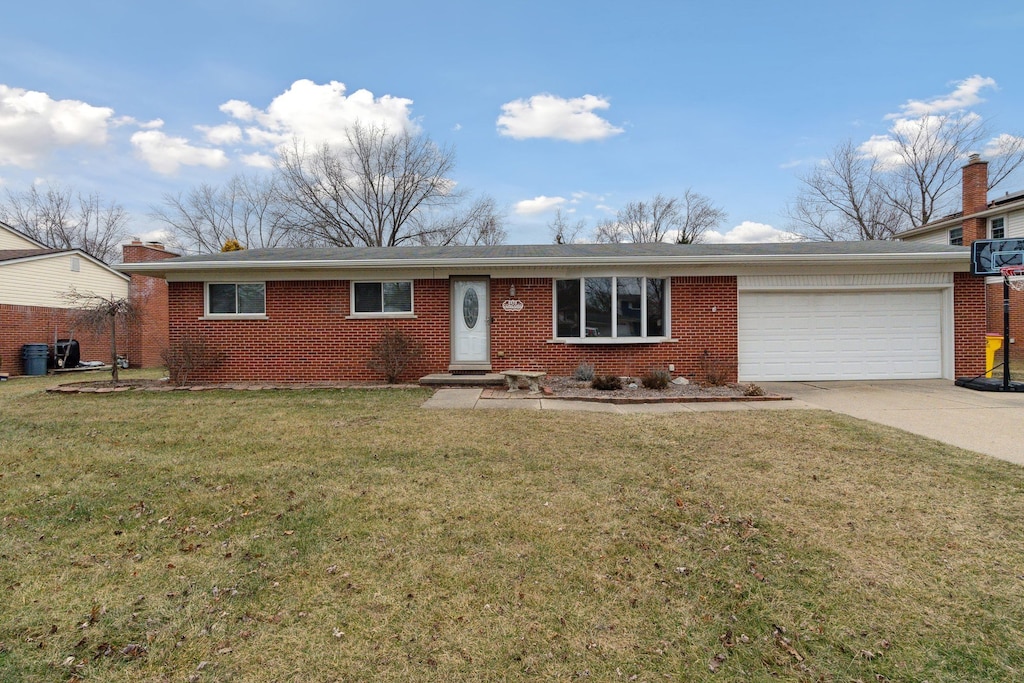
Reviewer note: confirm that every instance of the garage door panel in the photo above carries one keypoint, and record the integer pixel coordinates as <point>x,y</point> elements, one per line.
<point>840,335</point>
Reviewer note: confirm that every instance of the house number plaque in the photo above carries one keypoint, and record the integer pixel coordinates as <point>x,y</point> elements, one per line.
<point>512,305</point>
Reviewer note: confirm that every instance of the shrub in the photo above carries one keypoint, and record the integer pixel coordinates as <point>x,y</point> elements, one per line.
<point>753,390</point>
<point>606,382</point>
<point>584,372</point>
<point>718,370</point>
<point>191,352</point>
<point>393,353</point>
<point>656,379</point>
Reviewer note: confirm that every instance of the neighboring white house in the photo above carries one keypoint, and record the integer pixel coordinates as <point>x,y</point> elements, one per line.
<point>982,219</point>
<point>34,282</point>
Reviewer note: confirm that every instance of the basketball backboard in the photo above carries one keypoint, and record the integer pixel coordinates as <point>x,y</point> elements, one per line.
<point>988,256</point>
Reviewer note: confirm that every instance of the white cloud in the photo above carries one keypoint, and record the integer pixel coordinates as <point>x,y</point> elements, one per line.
<point>257,160</point>
<point>751,232</point>
<point>225,134</point>
<point>166,154</point>
<point>1002,144</point>
<point>964,95</point>
<point>319,113</point>
<point>32,125</point>
<point>549,116</point>
<point>541,204</point>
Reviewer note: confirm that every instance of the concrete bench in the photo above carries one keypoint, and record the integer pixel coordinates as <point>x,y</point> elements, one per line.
<point>512,378</point>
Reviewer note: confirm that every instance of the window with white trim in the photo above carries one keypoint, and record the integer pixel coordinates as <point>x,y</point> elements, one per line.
<point>382,298</point>
<point>956,236</point>
<point>236,299</point>
<point>611,308</point>
<point>997,228</point>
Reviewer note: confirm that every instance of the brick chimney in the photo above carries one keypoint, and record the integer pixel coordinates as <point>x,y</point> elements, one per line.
<point>149,335</point>
<point>975,198</point>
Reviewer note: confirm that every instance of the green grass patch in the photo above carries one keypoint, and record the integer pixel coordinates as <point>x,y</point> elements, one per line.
<point>350,535</point>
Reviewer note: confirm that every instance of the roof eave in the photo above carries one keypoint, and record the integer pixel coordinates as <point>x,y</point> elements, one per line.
<point>160,268</point>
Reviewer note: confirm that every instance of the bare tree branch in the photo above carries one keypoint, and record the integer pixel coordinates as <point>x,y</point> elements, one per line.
<point>685,220</point>
<point>247,209</point>
<point>60,219</point>
<point>103,314</point>
<point>564,232</point>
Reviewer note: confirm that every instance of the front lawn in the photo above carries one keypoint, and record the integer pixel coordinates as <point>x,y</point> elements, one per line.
<point>350,535</point>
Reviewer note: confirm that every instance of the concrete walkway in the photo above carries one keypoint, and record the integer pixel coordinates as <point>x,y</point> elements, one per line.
<point>991,423</point>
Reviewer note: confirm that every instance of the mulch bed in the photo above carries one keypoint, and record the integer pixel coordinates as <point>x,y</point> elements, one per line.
<point>567,388</point>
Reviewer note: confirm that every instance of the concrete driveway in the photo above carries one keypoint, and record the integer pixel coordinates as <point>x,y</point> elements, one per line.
<point>985,422</point>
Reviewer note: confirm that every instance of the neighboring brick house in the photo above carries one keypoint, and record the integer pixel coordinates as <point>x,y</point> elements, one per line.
<point>979,219</point>
<point>803,311</point>
<point>34,309</point>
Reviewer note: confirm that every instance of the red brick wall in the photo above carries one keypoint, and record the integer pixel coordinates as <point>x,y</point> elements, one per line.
<point>148,336</point>
<point>968,324</point>
<point>308,338</point>
<point>994,310</point>
<point>20,325</point>
<point>519,340</point>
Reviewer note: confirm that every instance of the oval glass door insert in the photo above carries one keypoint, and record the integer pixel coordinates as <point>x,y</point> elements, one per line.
<point>470,308</point>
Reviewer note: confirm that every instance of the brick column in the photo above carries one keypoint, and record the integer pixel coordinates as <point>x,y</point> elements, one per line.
<point>149,336</point>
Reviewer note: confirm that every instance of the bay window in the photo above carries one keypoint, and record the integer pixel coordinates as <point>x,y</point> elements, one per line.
<point>602,308</point>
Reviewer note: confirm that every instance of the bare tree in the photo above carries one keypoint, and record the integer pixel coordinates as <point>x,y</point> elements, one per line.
<point>685,219</point>
<point>844,199</point>
<point>379,189</point>
<point>564,232</point>
<point>103,314</point>
<point>62,219</point>
<point>905,180</point>
<point>478,224</point>
<point>248,209</point>
<point>698,215</point>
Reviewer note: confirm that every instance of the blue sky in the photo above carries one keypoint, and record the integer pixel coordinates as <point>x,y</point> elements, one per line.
<point>582,106</point>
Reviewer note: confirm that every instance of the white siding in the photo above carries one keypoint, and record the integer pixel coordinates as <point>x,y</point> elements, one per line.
<point>934,237</point>
<point>42,281</point>
<point>1015,224</point>
<point>10,240</point>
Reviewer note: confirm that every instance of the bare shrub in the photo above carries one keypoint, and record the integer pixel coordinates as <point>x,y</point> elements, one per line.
<point>753,390</point>
<point>656,379</point>
<point>606,383</point>
<point>187,354</point>
<point>718,370</point>
<point>584,372</point>
<point>393,353</point>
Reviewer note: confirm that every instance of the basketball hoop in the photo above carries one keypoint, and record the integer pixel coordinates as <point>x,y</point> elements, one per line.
<point>1013,276</point>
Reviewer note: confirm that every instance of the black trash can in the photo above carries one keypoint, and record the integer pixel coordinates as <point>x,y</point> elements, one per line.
<point>66,353</point>
<point>33,359</point>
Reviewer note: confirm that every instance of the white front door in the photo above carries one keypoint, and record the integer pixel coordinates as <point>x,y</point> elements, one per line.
<point>470,311</point>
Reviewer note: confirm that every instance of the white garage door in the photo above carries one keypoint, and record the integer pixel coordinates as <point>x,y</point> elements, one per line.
<point>840,335</point>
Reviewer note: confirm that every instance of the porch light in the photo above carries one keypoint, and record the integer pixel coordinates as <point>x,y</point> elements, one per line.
<point>512,292</point>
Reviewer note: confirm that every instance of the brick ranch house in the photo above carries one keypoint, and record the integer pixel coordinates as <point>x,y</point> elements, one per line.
<point>980,219</point>
<point>802,311</point>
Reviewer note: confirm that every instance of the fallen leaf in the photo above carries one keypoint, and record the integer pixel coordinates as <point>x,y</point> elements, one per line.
<point>716,662</point>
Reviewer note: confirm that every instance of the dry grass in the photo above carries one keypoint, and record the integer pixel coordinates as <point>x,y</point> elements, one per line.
<point>349,535</point>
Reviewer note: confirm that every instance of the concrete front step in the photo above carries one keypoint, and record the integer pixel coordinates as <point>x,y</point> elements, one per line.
<point>450,380</point>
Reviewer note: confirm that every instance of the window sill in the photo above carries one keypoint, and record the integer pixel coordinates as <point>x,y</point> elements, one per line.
<point>232,316</point>
<point>613,340</point>
<point>381,316</point>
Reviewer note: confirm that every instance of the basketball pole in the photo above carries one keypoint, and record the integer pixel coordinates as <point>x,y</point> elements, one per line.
<point>1006,333</point>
